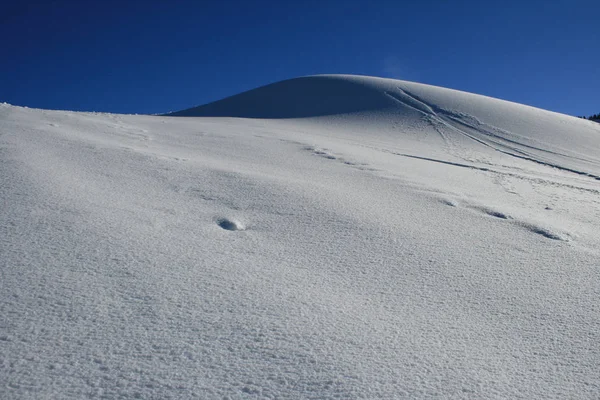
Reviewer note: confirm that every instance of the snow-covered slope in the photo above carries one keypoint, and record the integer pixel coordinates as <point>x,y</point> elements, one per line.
<point>323,237</point>
<point>504,126</point>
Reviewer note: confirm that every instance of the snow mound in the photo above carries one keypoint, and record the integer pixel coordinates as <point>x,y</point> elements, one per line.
<point>352,237</point>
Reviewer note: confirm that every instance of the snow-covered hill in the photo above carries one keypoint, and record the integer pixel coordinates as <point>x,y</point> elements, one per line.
<point>322,237</point>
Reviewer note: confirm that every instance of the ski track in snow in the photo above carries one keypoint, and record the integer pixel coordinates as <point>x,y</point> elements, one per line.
<point>406,241</point>
<point>481,133</point>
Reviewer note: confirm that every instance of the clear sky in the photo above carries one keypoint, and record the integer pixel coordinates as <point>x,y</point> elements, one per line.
<point>157,56</point>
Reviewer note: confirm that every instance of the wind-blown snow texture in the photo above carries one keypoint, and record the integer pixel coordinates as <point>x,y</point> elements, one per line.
<point>397,241</point>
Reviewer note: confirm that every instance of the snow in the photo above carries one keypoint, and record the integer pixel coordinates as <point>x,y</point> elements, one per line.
<point>324,237</point>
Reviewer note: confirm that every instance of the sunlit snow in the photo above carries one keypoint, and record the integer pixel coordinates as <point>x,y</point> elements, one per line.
<point>324,237</point>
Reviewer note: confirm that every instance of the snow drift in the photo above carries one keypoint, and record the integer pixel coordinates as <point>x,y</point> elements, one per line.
<point>322,237</point>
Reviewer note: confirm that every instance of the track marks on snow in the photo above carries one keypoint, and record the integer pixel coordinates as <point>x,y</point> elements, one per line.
<point>507,218</point>
<point>447,202</point>
<point>489,211</point>
<point>484,134</point>
<point>497,172</point>
<point>325,153</point>
<point>494,213</point>
<point>329,155</point>
<point>543,231</point>
<point>455,164</point>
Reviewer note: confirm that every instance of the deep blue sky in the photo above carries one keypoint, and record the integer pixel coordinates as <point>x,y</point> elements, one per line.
<point>157,56</point>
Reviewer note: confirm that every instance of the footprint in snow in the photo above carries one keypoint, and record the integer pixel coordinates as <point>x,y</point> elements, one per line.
<point>496,214</point>
<point>320,152</point>
<point>230,224</point>
<point>543,231</point>
<point>533,228</point>
<point>447,202</point>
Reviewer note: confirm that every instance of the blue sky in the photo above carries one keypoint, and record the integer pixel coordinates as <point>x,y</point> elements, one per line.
<point>158,56</point>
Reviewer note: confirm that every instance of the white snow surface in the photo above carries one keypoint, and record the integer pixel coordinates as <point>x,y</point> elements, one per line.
<point>324,237</point>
